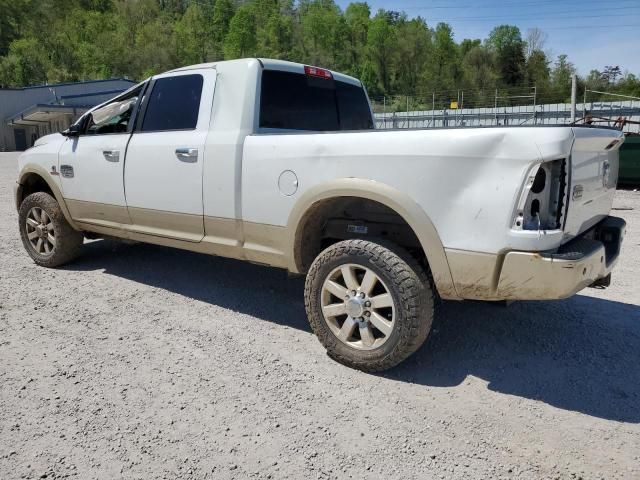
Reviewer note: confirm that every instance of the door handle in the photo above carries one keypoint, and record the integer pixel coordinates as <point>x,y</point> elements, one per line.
<point>187,154</point>
<point>111,155</point>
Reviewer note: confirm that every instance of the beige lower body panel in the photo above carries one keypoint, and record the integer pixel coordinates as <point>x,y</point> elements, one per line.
<point>225,237</point>
<point>98,213</point>
<point>475,275</point>
<point>523,275</point>
<point>180,226</point>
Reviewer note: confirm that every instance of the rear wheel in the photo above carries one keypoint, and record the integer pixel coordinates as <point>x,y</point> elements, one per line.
<point>370,304</point>
<point>46,235</point>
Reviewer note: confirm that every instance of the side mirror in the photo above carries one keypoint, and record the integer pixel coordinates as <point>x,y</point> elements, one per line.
<point>72,131</point>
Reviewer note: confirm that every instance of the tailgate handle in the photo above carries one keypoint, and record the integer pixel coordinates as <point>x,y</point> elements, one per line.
<point>187,154</point>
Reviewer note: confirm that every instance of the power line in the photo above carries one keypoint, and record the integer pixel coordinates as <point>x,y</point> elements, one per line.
<point>593,27</point>
<point>517,4</point>
<point>533,17</point>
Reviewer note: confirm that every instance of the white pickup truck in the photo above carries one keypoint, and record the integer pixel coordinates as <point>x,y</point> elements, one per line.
<point>279,163</point>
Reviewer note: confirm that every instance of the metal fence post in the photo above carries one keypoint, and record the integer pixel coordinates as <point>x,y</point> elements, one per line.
<point>574,88</point>
<point>535,92</point>
<point>407,115</point>
<point>384,110</point>
<point>433,109</point>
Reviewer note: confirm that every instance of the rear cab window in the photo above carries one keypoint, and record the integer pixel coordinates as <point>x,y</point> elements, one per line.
<point>297,101</point>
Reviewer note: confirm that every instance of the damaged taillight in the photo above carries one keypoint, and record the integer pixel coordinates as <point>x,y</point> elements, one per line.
<point>542,205</point>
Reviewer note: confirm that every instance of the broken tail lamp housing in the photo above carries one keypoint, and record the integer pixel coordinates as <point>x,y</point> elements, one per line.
<point>542,204</point>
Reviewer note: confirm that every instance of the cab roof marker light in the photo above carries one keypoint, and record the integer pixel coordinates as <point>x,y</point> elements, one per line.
<point>317,72</point>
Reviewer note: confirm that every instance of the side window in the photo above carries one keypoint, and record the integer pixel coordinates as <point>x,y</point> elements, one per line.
<point>174,104</point>
<point>113,117</point>
<point>355,113</point>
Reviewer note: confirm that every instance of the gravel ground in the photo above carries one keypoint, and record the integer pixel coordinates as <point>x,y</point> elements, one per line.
<point>139,361</point>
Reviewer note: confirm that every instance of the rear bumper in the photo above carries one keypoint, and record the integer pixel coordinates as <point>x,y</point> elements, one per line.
<point>560,274</point>
<point>552,274</point>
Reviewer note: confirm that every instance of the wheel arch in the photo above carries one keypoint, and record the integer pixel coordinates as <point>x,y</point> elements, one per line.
<point>33,178</point>
<point>308,205</point>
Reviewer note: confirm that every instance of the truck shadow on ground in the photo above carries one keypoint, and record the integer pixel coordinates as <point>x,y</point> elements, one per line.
<point>580,354</point>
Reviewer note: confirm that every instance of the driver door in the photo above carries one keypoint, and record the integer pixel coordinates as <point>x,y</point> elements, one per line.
<point>91,165</point>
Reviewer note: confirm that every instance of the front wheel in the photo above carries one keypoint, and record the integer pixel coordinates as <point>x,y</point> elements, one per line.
<point>46,235</point>
<point>370,304</point>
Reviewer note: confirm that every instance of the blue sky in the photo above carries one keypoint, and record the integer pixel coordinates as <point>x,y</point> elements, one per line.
<point>593,33</point>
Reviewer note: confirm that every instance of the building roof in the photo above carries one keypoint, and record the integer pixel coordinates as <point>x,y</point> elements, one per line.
<point>64,84</point>
<point>44,113</point>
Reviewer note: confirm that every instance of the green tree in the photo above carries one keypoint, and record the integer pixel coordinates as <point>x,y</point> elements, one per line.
<point>193,36</point>
<point>241,40</point>
<point>537,69</point>
<point>381,48</point>
<point>274,28</point>
<point>223,12</point>
<point>444,71</point>
<point>357,18</point>
<point>53,40</point>
<point>323,33</point>
<point>561,75</point>
<point>468,44</point>
<point>414,48</point>
<point>26,64</point>
<point>629,84</point>
<point>509,48</point>
<point>479,70</point>
<point>12,15</point>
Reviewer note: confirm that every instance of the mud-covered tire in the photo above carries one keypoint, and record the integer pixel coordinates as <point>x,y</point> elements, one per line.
<point>401,275</point>
<point>67,241</point>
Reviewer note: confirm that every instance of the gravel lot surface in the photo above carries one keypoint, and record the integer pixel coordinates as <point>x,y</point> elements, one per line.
<point>139,361</point>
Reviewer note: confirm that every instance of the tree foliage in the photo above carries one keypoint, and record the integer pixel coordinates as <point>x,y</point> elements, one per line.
<point>46,41</point>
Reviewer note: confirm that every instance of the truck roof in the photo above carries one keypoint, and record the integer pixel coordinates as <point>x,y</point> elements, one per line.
<point>271,64</point>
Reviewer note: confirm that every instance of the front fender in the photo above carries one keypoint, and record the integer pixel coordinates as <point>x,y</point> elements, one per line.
<point>394,199</point>
<point>35,169</point>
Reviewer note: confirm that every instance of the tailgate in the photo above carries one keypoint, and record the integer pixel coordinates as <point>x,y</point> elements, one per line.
<point>593,177</point>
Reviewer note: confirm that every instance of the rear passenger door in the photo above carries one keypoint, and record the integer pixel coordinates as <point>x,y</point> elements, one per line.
<point>163,171</point>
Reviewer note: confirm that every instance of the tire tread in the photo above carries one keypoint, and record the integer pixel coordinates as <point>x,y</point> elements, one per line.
<point>68,240</point>
<point>414,288</point>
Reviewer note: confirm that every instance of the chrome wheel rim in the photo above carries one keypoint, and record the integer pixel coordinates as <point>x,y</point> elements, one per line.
<point>358,307</point>
<point>40,231</point>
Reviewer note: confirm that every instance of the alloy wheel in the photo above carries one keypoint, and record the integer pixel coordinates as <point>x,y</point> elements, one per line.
<point>40,231</point>
<point>358,306</point>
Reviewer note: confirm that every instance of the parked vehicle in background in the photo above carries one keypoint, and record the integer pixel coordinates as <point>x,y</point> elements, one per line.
<point>278,163</point>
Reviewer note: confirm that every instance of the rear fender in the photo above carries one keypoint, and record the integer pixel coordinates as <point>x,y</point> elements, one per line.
<point>399,202</point>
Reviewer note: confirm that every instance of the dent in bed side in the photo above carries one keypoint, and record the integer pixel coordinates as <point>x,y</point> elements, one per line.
<point>397,201</point>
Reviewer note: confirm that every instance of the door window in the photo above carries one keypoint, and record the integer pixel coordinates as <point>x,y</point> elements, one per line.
<point>114,117</point>
<point>174,104</point>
